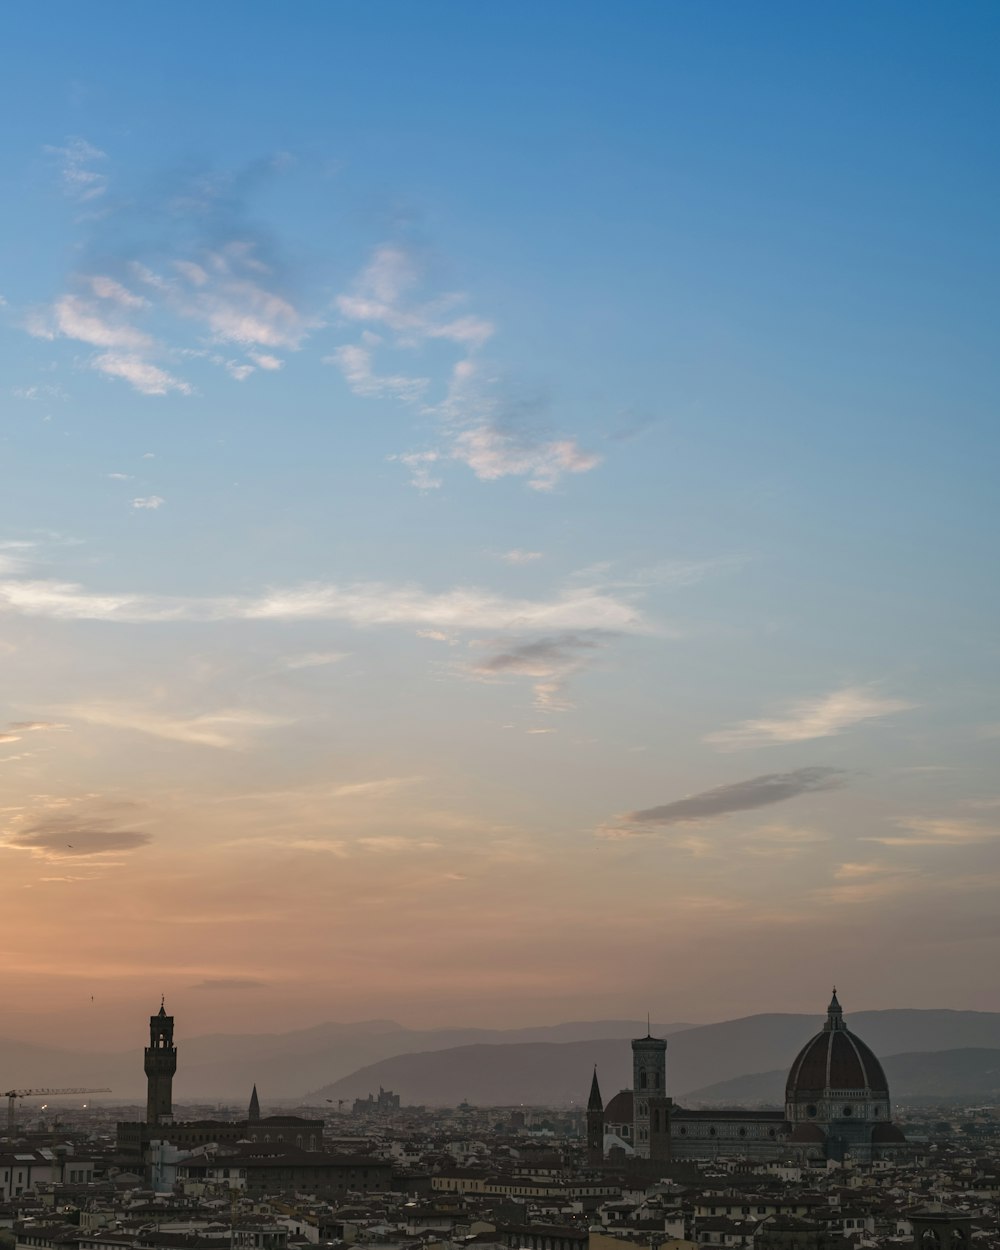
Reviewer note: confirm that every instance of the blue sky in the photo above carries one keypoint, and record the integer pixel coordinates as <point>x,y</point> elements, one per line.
<point>522,471</point>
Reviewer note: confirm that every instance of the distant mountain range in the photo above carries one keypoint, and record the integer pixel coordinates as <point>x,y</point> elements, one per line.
<point>972,1073</point>
<point>550,1064</point>
<point>225,1067</point>
<point>698,1059</point>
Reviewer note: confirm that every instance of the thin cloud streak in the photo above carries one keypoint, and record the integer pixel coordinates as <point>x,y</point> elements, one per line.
<point>739,796</point>
<point>360,604</point>
<point>224,730</point>
<point>922,831</point>
<point>813,718</point>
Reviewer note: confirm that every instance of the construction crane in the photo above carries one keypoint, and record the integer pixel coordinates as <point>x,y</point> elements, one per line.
<point>13,1094</point>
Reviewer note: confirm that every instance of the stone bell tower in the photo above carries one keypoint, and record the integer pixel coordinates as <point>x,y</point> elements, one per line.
<point>160,1065</point>
<point>649,1088</point>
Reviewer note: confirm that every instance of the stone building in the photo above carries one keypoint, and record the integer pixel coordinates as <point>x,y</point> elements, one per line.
<point>836,1107</point>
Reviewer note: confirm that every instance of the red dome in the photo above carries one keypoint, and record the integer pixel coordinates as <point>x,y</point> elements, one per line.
<point>620,1110</point>
<point>836,1060</point>
<point>808,1133</point>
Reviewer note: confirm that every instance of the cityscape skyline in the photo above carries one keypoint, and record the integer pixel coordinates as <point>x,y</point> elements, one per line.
<point>499,513</point>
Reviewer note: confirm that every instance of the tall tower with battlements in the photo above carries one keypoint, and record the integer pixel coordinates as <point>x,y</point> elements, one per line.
<point>160,1065</point>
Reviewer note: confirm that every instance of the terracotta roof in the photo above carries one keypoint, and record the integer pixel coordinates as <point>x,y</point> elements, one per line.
<point>620,1110</point>
<point>885,1133</point>
<point>835,1059</point>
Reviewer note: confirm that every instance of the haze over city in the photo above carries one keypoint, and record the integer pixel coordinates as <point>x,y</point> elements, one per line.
<point>499,513</point>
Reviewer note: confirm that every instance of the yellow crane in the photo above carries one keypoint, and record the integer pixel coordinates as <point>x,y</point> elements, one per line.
<point>12,1096</point>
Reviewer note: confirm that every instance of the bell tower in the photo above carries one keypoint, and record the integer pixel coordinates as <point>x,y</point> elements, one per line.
<point>649,1086</point>
<point>160,1065</point>
<point>595,1125</point>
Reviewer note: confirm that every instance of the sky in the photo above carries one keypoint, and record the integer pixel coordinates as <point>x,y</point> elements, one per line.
<point>499,512</point>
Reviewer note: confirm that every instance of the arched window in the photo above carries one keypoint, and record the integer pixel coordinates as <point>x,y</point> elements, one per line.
<point>642,1079</point>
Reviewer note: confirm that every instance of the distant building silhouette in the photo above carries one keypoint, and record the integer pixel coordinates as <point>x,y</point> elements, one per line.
<point>386,1101</point>
<point>160,1065</point>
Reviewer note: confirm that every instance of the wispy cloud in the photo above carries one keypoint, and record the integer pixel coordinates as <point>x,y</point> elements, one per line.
<point>108,325</point>
<point>475,430</point>
<point>781,841</point>
<point>923,831</point>
<point>551,661</point>
<point>61,829</point>
<point>314,659</point>
<point>519,556</point>
<point>39,391</point>
<point>225,729</point>
<point>422,468</point>
<point>74,317</point>
<point>383,295</point>
<point>494,440</point>
<point>149,502</point>
<point>206,272</point>
<point>492,452</point>
<point>18,728</point>
<point>739,796</point>
<point>228,289</point>
<point>15,557</point>
<point>865,882</point>
<point>80,168</point>
<point>813,718</point>
<point>361,604</point>
<point>355,363</point>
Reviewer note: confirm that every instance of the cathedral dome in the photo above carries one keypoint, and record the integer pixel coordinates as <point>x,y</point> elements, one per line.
<point>835,1061</point>
<point>621,1109</point>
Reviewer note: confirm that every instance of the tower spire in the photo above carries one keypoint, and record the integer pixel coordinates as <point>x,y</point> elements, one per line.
<point>595,1124</point>
<point>253,1114</point>
<point>834,1014</point>
<point>595,1102</point>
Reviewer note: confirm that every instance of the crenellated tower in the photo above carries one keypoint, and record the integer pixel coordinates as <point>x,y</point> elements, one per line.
<point>160,1065</point>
